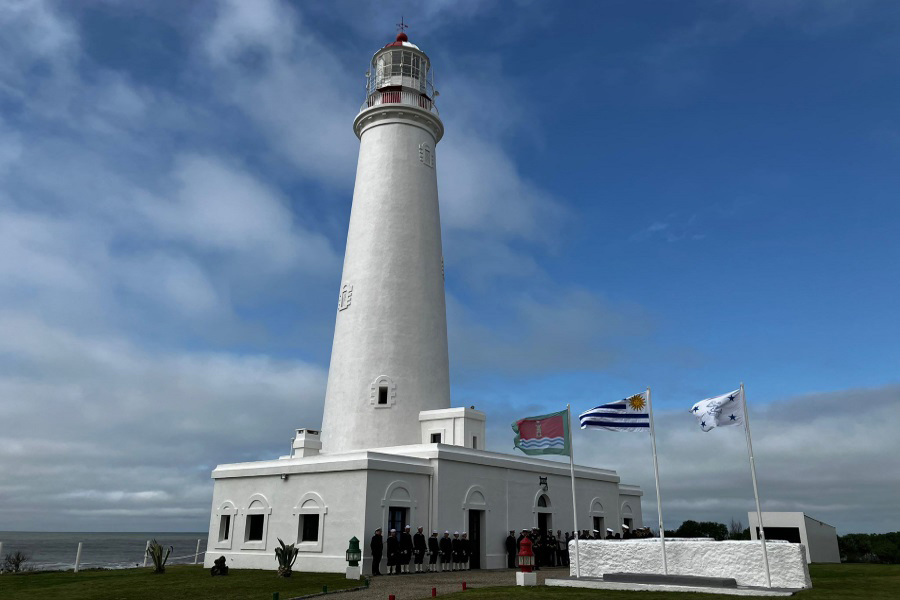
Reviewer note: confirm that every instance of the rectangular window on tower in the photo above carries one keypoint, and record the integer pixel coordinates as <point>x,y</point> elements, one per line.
<point>435,438</point>
<point>382,394</point>
<point>475,442</point>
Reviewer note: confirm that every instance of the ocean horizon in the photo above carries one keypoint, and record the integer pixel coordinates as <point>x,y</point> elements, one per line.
<point>55,551</point>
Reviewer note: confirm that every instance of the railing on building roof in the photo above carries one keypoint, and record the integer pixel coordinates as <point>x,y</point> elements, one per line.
<point>399,97</point>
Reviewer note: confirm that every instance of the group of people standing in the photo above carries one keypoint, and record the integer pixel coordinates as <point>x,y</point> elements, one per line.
<point>453,553</point>
<point>549,550</point>
<point>553,550</point>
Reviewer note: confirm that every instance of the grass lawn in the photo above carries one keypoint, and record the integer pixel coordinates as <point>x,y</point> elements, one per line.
<point>830,582</point>
<point>184,581</point>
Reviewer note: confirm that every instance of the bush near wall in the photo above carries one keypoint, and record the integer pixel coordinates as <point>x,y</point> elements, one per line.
<point>870,547</point>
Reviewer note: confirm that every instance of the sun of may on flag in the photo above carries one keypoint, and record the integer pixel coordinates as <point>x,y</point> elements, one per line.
<point>721,411</point>
<point>546,434</point>
<point>630,414</point>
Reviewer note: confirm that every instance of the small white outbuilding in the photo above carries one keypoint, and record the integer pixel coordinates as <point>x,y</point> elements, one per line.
<point>819,539</point>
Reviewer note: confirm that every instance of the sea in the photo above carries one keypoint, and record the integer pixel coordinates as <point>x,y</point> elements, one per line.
<point>56,551</point>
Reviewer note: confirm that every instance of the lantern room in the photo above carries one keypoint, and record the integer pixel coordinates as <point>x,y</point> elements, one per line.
<point>400,73</point>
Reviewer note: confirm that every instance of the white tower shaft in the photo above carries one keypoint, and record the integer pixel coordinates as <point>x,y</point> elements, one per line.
<point>389,359</point>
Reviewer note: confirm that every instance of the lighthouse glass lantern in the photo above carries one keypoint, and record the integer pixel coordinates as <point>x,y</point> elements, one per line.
<point>400,73</point>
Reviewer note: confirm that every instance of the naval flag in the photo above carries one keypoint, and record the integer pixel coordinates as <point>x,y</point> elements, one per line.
<point>721,411</point>
<point>630,414</point>
<point>546,434</point>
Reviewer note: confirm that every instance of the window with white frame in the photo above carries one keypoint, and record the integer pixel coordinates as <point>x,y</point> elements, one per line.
<point>256,523</point>
<point>226,516</point>
<point>310,512</point>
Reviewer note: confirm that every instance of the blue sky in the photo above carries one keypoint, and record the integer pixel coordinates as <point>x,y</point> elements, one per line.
<point>682,195</point>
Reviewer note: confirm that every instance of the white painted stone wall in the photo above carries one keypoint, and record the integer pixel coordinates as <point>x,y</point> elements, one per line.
<point>742,560</point>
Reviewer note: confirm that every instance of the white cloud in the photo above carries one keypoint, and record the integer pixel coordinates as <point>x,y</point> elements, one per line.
<point>84,411</point>
<point>286,79</point>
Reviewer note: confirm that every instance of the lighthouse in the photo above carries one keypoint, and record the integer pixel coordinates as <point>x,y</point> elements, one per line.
<point>389,358</point>
<point>391,451</point>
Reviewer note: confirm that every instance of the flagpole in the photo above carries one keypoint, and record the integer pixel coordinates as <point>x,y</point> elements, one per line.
<point>662,531</point>
<point>762,533</point>
<point>572,472</point>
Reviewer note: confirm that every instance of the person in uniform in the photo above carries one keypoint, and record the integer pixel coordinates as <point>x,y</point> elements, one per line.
<point>406,548</point>
<point>550,549</point>
<point>466,547</point>
<point>377,547</point>
<point>393,553</point>
<point>446,546</point>
<point>433,551</point>
<point>511,550</point>
<point>609,533</point>
<point>626,532</point>
<point>419,549</point>
<point>456,545</point>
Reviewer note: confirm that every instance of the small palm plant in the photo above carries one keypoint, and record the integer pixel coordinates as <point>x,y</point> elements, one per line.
<point>287,556</point>
<point>155,552</point>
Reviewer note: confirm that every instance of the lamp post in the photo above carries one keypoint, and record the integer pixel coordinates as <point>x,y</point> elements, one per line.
<point>354,555</point>
<point>526,576</point>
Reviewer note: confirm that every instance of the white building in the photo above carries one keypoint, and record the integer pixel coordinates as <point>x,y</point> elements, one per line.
<point>392,452</point>
<point>819,539</point>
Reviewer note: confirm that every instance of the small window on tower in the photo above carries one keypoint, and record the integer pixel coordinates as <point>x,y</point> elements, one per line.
<point>475,442</point>
<point>435,438</point>
<point>382,394</point>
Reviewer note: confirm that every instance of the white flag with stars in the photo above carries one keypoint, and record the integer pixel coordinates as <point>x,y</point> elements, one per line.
<point>721,411</point>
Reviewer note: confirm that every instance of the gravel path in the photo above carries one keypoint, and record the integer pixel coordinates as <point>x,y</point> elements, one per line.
<point>416,586</point>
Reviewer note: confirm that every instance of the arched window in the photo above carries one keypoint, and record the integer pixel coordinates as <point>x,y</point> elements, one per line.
<point>310,511</point>
<point>542,502</point>
<point>225,516</point>
<point>256,523</point>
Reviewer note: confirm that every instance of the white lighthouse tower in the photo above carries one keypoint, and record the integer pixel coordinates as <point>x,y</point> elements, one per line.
<point>392,452</point>
<point>389,359</point>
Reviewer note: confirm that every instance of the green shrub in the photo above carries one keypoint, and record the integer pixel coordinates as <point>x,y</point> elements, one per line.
<point>287,556</point>
<point>155,552</point>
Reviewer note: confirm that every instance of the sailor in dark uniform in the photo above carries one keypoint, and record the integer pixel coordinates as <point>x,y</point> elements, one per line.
<point>433,551</point>
<point>406,549</point>
<point>393,553</point>
<point>446,546</point>
<point>457,551</point>
<point>511,550</point>
<point>377,547</point>
<point>419,549</point>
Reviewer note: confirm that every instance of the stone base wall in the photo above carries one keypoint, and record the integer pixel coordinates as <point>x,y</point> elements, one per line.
<point>742,560</point>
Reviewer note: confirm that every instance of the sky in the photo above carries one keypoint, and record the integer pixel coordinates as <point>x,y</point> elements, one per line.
<point>675,195</point>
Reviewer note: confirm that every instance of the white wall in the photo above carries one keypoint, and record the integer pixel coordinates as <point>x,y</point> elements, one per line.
<point>741,560</point>
<point>342,519</point>
<point>438,484</point>
<point>822,544</point>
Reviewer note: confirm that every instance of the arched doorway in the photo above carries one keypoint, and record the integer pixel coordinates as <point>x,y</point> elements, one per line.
<point>544,510</point>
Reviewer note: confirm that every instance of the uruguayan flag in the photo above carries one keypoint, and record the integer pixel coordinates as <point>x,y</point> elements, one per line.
<point>721,411</point>
<point>630,414</point>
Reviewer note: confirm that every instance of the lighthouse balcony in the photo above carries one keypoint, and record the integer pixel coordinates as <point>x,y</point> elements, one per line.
<point>381,97</point>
